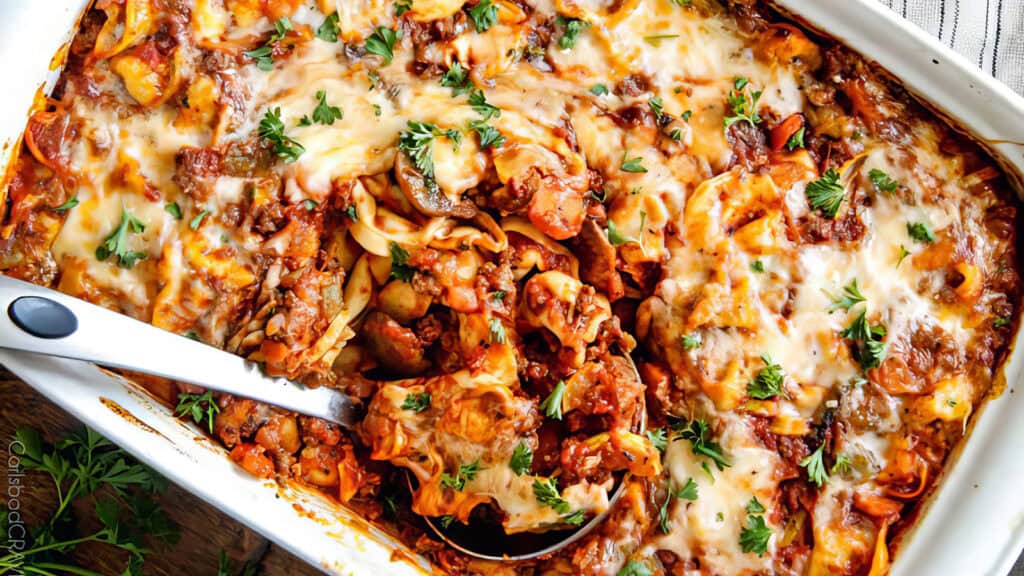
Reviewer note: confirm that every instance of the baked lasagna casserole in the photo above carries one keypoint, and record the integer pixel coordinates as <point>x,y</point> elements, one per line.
<point>467,214</point>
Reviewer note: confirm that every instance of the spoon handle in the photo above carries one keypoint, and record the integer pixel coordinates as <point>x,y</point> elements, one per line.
<point>42,321</point>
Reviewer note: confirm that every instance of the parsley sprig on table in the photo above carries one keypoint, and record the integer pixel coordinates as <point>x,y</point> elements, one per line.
<point>80,465</point>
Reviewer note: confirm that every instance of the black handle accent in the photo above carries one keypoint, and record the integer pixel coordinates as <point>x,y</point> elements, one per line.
<point>42,317</point>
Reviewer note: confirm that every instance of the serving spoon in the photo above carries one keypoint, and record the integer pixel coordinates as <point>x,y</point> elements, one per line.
<point>41,321</point>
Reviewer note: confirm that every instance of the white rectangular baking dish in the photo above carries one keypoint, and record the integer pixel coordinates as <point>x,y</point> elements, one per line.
<point>974,523</point>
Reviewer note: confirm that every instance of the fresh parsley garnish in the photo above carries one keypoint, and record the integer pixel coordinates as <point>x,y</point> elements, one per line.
<point>194,223</point>
<point>698,433</point>
<point>743,104</point>
<point>755,535</point>
<point>633,165</point>
<point>691,341</point>
<point>882,182</point>
<point>173,209</point>
<point>815,466</point>
<point>416,401</point>
<point>826,194</point>
<point>522,459</point>
<point>466,473</point>
<point>757,266</point>
<point>755,506</point>
<point>484,15</point>
<point>272,130</point>
<point>324,113</point>
<point>655,39</point>
<point>457,79</point>
<point>382,43</point>
<point>116,243</point>
<point>903,254</point>
<point>572,28</point>
<point>634,568</point>
<point>796,140</point>
<point>489,136</point>
<point>446,520</point>
<point>264,55</point>
<point>498,296</point>
<point>68,205</point>
<point>920,232</point>
<point>400,268</point>
<point>202,408</point>
<point>849,298</point>
<point>598,89</point>
<point>575,518</point>
<point>842,464</point>
<point>552,405</point>
<point>869,349</point>
<point>687,492</point>
<point>310,204</point>
<point>768,382</point>
<point>496,331</point>
<point>328,31</point>
<point>401,7</point>
<point>547,494</point>
<point>616,237</point>
<point>658,107</point>
<point>351,213</point>
<point>1000,322</point>
<point>658,438</point>
<point>418,144</point>
<point>478,101</point>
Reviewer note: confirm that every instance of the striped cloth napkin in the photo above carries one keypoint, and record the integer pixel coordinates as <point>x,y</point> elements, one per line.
<point>989,33</point>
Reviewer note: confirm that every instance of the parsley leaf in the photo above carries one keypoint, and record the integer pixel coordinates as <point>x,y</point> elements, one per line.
<point>882,182</point>
<point>484,15</point>
<point>324,113</point>
<point>202,407</point>
<point>489,136</point>
<point>272,130</point>
<point>418,144</point>
<point>328,31</point>
<point>697,432</point>
<point>655,39</point>
<point>496,331</point>
<point>264,55</point>
<point>546,493</point>
<point>116,243</point>
<point>754,537</point>
<point>446,520</point>
<point>826,194</point>
<point>632,165</point>
<point>173,209</point>
<point>416,401</point>
<point>869,349</point>
<point>903,254</point>
<point>382,43</point>
<point>552,405</point>
<point>687,492</point>
<point>198,219</point>
<point>768,382</point>
<point>796,140</point>
<point>744,106</point>
<point>457,79</point>
<point>522,459</point>
<point>850,297</point>
<point>920,232</point>
<point>573,27</point>
<point>466,473</point>
<point>400,268</point>
<point>691,341</point>
<point>657,106</point>
<point>634,568</point>
<point>658,438</point>
<point>478,101</point>
<point>815,466</point>
<point>757,266</point>
<point>842,464</point>
<point>755,506</point>
<point>598,89</point>
<point>401,7</point>
<point>68,205</point>
<point>615,236</point>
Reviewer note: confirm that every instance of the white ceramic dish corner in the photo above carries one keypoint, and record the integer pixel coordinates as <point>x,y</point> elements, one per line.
<point>974,523</point>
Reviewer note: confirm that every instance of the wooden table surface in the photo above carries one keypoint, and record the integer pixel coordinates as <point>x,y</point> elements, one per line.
<point>205,531</point>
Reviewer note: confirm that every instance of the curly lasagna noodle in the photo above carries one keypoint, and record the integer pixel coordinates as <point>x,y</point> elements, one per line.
<point>464,214</point>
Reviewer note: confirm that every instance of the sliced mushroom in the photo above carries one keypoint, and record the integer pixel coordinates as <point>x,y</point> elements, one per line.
<point>425,194</point>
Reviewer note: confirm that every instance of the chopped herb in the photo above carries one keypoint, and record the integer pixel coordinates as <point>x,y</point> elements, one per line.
<point>656,39</point>
<point>416,401</point>
<point>263,56</point>
<point>324,113</point>
<point>522,459</point>
<point>457,79</point>
<point>496,331</point>
<point>374,80</point>
<point>328,31</point>
<point>484,15</point>
<point>202,407</point>
<point>755,506</point>
<point>920,232</point>
<point>815,466</point>
<point>768,382</point>
<point>634,568</point>
<point>351,213</point>
<point>191,335</point>
<point>401,7</point>
<point>400,268</point>
<point>686,115</point>
<point>173,209</point>
<point>615,237</point>
<point>658,107</point>
<point>198,219</point>
<point>68,205</point>
<point>489,136</point>
<point>754,537</point>
<point>573,27</point>
<point>632,164</point>
<point>116,243</point>
<point>455,136</point>
<point>691,341</point>
<point>687,492</point>
<point>478,101</point>
<point>418,144</point>
<point>744,105</point>
<point>465,474</point>
<point>658,438</point>
<point>546,493</point>
<point>842,464</point>
<point>796,140</point>
<point>498,296</point>
<point>598,89</point>
<point>1000,322</point>
<point>272,130</point>
<point>382,43</point>
<point>757,266</point>
<point>882,182</point>
<point>826,194</point>
<point>698,434</point>
<point>552,405</point>
<point>376,110</point>
<point>575,519</point>
<point>446,521</point>
<point>849,298</point>
<point>869,349</point>
<point>676,134</point>
<point>310,204</point>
